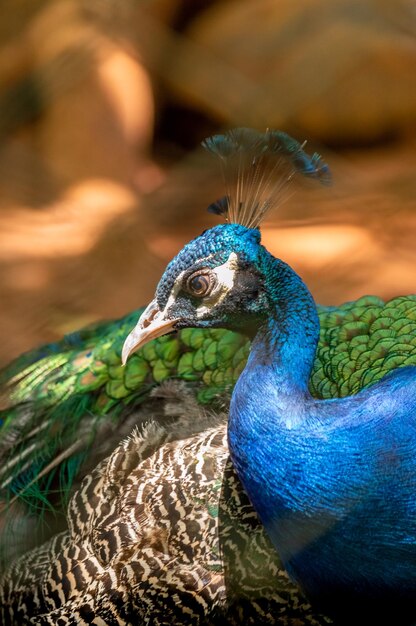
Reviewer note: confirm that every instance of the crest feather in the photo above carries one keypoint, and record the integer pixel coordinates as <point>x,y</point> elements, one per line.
<point>256,167</point>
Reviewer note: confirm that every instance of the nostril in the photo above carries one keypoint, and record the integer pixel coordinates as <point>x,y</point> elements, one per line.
<point>150,317</point>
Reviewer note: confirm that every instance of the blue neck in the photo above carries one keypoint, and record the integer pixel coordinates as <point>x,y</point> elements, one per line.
<point>330,480</point>
<point>271,397</point>
<point>284,347</point>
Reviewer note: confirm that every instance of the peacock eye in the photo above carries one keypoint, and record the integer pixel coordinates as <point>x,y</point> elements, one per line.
<point>200,283</point>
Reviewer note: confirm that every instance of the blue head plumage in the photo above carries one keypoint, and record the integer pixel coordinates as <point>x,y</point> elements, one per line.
<point>209,250</point>
<point>215,280</point>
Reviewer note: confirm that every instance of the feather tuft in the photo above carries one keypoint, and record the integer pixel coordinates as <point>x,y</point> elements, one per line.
<point>219,207</point>
<point>256,168</point>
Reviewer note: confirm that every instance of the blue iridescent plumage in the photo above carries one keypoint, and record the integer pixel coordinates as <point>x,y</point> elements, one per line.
<point>333,481</point>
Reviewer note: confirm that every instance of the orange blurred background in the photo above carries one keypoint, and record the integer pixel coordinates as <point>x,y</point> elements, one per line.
<point>103,104</point>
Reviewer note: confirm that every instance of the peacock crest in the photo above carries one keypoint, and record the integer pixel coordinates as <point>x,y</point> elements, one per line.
<point>257,168</point>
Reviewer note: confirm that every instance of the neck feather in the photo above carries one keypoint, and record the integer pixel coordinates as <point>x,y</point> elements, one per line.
<point>271,400</point>
<point>285,344</point>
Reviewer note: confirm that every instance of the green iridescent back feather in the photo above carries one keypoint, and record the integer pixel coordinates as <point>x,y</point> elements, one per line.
<point>53,399</point>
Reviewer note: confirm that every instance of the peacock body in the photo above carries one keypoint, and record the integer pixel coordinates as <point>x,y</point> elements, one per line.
<point>333,481</point>
<point>154,527</point>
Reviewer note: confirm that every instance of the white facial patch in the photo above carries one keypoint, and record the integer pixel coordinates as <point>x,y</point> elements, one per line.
<point>225,281</point>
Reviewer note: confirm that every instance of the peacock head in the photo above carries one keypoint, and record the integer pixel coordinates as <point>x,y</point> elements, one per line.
<point>214,281</point>
<point>221,278</point>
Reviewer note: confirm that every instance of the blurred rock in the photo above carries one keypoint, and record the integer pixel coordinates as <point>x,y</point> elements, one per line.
<point>77,118</point>
<point>98,118</point>
<point>343,72</point>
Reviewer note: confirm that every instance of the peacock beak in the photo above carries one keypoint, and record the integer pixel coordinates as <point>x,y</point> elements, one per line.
<point>152,323</point>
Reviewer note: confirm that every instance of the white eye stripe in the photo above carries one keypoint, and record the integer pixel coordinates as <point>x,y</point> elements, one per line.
<point>225,281</point>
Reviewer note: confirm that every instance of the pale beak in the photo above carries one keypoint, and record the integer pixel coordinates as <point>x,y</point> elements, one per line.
<point>151,324</point>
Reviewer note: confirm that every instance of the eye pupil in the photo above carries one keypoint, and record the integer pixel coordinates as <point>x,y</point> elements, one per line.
<point>199,284</point>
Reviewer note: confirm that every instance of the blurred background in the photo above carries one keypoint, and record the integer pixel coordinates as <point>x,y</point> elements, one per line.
<point>104,103</point>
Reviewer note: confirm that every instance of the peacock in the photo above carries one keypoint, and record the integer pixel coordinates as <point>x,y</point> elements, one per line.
<point>332,480</point>
<point>118,480</point>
